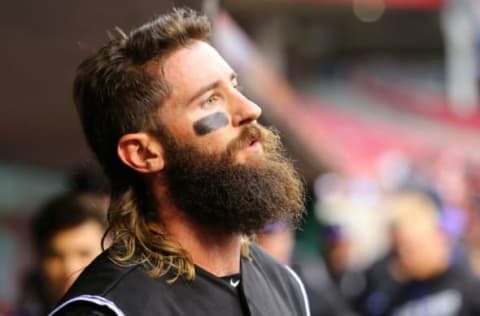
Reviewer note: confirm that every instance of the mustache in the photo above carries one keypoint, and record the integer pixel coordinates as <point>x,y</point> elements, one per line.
<point>247,136</point>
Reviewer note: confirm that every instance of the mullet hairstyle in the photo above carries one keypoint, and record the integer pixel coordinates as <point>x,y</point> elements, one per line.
<point>118,91</point>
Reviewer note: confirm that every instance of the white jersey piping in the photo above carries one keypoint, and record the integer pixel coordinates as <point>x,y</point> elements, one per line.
<point>92,299</point>
<point>302,288</point>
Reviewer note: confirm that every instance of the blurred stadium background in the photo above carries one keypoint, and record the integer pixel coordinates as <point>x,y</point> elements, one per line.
<point>369,94</point>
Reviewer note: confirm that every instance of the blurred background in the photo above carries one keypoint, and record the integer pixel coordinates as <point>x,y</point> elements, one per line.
<point>373,98</point>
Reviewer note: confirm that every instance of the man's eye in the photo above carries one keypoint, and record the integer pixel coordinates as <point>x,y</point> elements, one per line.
<point>210,101</point>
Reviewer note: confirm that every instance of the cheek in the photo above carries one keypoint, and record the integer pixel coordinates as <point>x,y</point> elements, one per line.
<point>210,123</point>
<point>53,269</point>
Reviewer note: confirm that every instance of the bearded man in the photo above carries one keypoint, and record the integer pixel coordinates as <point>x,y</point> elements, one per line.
<point>192,175</point>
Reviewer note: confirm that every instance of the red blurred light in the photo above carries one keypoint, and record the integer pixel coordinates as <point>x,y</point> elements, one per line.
<point>413,4</point>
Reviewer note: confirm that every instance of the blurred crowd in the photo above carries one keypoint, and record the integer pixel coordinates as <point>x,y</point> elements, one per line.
<point>403,241</point>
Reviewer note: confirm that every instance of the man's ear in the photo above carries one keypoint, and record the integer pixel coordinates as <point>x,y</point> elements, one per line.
<point>141,152</point>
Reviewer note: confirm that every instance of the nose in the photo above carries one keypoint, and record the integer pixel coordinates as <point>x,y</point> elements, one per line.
<point>244,111</point>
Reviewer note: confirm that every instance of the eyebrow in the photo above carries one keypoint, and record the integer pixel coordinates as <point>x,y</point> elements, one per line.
<point>210,86</point>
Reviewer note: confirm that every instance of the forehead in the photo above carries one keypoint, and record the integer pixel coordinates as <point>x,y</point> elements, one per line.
<point>87,234</point>
<point>195,66</point>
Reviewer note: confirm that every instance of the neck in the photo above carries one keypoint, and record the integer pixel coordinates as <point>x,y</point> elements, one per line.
<point>213,251</point>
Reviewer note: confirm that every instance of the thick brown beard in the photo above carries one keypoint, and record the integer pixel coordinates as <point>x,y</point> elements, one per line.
<point>222,195</point>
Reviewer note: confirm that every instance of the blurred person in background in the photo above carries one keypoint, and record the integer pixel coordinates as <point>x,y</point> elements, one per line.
<point>472,236</point>
<point>420,276</point>
<point>66,235</point>
<point>337,250</point>
<point>348,278</point>
<point>448,178</point>
<point>278,240</point>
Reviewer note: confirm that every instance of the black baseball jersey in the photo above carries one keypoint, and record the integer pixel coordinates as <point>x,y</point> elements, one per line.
<point>453,293</point>
<point>264,287</point>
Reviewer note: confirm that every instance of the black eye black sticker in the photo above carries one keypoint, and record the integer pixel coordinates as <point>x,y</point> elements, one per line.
<point>210,123</point>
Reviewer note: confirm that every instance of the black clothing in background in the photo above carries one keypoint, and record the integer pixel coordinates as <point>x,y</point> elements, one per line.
<point>324,296</point>
<point>456,292</point>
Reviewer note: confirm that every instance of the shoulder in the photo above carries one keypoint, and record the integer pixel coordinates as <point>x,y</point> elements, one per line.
<point>91,306</point>
<point>102,276</point>
<point>272,268</point>
<point>282,277</point>
<point>97,287</point>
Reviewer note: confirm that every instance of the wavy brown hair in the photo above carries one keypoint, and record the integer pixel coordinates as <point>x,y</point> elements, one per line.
<point>117,91</point>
